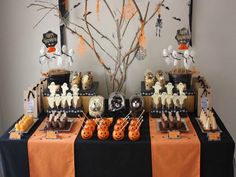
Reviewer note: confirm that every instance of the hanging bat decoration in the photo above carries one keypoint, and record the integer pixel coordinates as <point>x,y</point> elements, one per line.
<point>89,12</point>
<point>166,7</point>
<point>76,5</point>
<point>176,18</point>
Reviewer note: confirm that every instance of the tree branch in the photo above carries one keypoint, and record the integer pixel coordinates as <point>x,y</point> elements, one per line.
<point>100,33</point>
<point>139,11</point>
<point>112,14</point>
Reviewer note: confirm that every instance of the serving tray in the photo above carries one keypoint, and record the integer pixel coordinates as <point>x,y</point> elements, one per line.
<point>25,132</point>
<point>67,127</point>
<point>207,131</point>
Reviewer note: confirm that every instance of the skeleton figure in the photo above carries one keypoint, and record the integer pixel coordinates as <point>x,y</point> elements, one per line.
<point>159,25</point>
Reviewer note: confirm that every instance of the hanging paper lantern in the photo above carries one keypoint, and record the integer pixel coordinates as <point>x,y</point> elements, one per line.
<point>142,37</point>
<point>81,46</point>
<point>98,9</point>
<point>129,10</point>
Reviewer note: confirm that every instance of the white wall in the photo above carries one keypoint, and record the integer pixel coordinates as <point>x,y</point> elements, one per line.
<point>214,41</point>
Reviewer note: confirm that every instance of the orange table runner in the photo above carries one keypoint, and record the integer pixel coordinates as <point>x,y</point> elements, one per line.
<point>52,157</point>
<point>174,157</point>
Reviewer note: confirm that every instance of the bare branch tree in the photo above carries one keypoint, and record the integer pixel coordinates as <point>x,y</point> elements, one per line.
<point>124,56</point>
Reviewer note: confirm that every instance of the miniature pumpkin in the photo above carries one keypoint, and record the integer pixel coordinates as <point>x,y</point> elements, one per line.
<point>102,127</point>
<point>103,122</point>
<point>132,127</point>
<point>86,134</point>
<point>120,121</point>
<point>134,121</point>
<point>90,127</point>
<point>109,121</point>
<point>118,135</point>
<point>90,121</point>
<point>134,135</point>
<point>103,134</point>
<point>118,127</point>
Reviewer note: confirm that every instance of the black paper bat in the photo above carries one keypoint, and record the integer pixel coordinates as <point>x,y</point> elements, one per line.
<point>76,5</point>
<point>175,18</point>
<point>166,7</point>
<point>87,13</point>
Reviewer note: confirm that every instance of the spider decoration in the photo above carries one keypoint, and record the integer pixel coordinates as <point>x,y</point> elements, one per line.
<point>159,25</point>
<point>172,57</point>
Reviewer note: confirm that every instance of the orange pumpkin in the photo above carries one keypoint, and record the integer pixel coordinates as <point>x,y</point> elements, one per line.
<point>103,122</point>
<point>102,127</point>
<point>134,121</point>
<point>120,121</point>
<point>90,121</point>
<point>134,135</point>
<point>90,127</point>
<point>118,127</point>
<point>103,134</point>
<point>118,135</point>
<point>132,127</point>
<point>86,134</point>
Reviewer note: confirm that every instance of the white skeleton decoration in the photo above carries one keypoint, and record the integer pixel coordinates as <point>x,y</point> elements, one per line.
<point>58,100</point>
<point>156,96</point>
<point>64,88</point>
<point>181,88</point>
<point>69,99</point>
<point>52,88</point>
<point>51,101</point>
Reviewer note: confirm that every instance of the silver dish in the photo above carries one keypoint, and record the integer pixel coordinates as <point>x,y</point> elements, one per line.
<point>205,131</point>
<point>25,132</point>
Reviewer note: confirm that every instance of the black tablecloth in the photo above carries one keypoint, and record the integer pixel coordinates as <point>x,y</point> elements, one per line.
<point>95,158</point>
<point>110,158</point>
<point>14,154</point>
<point>216,157</point>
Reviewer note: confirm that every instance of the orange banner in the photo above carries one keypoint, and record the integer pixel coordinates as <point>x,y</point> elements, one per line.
<point>52,157</point>
<point>174,157</point>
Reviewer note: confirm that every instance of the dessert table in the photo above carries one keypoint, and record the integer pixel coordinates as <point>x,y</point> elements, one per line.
<point>124,158</point>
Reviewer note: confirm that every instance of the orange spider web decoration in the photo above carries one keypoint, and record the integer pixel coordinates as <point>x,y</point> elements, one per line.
<point>129,10</point>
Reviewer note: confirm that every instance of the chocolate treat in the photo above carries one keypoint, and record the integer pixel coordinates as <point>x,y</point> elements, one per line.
<point>55,124</point>
<point>179,124</point>
<point>48,125</point>
<point>61,124</point>
<point>164,123</point>
<point>171,121</point>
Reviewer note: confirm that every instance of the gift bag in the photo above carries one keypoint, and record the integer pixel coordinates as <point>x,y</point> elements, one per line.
<point>203,94</point>
<point>31,102</point>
